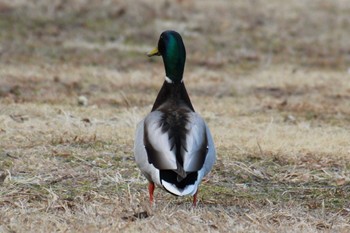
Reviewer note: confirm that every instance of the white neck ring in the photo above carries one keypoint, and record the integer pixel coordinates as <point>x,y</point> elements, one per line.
<point>168,80</point>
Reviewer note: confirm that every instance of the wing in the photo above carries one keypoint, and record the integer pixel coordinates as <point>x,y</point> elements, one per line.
<point>198,141</point>
<point>158,144</point>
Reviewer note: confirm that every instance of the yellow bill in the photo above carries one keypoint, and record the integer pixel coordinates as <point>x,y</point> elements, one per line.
<point>154,52</point>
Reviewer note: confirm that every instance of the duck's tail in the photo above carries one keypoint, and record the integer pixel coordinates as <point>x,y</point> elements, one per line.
<point>187,185</point>
<point>173,189</point>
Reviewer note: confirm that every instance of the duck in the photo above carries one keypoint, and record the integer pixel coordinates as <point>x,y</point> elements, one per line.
<point>173,145</point>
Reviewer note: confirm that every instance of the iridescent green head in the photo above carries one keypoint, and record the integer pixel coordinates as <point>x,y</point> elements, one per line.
<point>172,49</point>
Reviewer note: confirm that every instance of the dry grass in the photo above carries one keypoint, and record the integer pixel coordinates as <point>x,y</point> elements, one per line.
<point>269,78</point>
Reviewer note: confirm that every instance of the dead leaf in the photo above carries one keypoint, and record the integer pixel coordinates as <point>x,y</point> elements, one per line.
<point>3,176</point>
<point>19,118</point>
<point>134,217</point>
<point>321,226</point>
<point>340,181</point>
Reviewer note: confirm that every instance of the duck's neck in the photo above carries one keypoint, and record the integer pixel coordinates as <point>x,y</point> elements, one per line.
<point>174,93</point>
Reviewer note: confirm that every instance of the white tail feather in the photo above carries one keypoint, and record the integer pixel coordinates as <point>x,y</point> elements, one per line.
<point>188,190</point>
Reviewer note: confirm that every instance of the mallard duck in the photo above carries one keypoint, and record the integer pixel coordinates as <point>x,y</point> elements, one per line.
<point>173,145</point>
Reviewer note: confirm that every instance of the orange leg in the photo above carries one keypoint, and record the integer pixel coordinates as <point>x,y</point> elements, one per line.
<point>195,199</point>
<point>151,190</point>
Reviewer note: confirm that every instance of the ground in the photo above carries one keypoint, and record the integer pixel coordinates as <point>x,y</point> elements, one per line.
<point>271,78</point>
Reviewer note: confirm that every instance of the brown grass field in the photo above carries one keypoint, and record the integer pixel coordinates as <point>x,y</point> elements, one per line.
<point>271,78</point>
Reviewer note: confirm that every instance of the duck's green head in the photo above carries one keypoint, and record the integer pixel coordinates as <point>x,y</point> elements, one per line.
<point>172,49</point>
